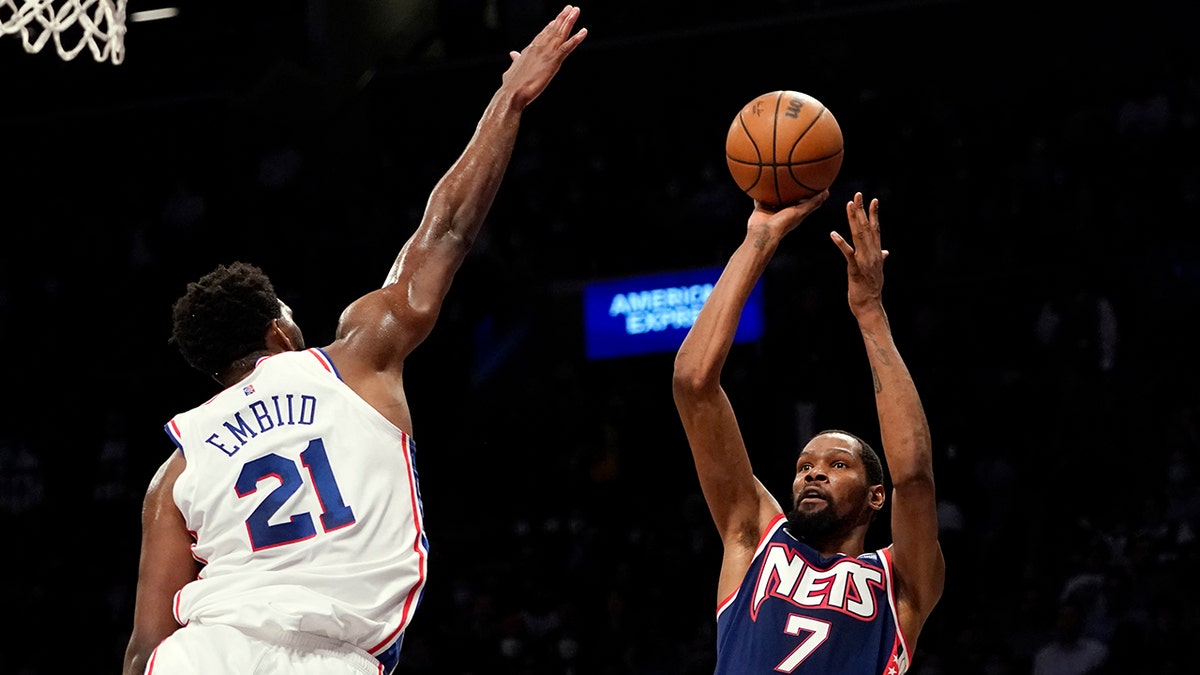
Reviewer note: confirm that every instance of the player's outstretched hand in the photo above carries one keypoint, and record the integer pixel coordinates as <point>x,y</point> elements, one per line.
<point>533,68</point>
<point>864,260</point>
<point>786,219</point>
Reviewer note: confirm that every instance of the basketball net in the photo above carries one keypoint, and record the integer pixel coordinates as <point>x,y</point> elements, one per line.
<point>98,25</point>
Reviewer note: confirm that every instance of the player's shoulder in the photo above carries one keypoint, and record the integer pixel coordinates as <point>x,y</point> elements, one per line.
<point>312,357</point>
<point>163,481</point>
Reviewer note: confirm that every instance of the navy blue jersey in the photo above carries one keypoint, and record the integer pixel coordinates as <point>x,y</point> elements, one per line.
<point>797,611</point>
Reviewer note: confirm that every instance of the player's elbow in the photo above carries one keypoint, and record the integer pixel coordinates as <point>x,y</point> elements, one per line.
<point>913,480</point>
<point>689,381</point>
<point>912,461</point>
<point>459,237</point>
<point>137,653</point>
<point>450,224</point>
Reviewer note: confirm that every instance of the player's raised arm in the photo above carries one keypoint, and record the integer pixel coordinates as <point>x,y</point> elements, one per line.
<point>421,275</point>
<point>739,504</point>
<point>920,568</point>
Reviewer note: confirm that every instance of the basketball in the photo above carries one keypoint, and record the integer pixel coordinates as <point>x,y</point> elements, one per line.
<point>783,147</point>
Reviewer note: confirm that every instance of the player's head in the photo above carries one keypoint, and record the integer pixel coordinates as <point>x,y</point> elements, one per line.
<point>230,314</point>
<point>838,487</point>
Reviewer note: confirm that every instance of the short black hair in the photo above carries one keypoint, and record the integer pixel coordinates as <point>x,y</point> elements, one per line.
<point>224,316</point>
<point>874,466</point>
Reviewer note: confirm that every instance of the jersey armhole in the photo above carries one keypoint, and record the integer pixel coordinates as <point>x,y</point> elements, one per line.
<point>768,532</point>
<point>885,556</point>
<point>174,434</point>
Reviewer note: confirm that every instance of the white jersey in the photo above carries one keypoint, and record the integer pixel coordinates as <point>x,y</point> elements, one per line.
<point>304,503</point>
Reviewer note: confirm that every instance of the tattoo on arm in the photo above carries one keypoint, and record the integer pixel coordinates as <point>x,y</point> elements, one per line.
<point>884,356</point>
<point>875,380</point>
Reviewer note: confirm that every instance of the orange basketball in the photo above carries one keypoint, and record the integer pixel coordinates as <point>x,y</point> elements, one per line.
<point>784,147</point>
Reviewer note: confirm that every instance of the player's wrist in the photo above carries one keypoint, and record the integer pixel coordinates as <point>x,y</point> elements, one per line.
<point>869,313</point>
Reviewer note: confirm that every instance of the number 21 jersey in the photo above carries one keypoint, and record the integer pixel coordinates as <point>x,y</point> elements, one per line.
<point>304,504</point>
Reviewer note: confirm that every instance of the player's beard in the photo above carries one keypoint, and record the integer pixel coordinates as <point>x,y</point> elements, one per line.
<point>821,524</point>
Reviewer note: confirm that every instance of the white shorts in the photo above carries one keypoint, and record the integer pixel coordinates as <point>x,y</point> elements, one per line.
<point>209,649</point>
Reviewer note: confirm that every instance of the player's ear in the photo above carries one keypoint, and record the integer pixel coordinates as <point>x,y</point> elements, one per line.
<point>878,496</point>
<point>278,339</point>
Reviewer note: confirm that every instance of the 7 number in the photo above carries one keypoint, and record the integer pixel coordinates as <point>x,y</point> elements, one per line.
<point>818,631</point>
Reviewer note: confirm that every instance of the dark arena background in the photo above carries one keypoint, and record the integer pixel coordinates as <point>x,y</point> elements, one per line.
<point>1037,167</point>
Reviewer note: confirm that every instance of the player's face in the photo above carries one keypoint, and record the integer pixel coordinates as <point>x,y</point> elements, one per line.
<point>830,492</point>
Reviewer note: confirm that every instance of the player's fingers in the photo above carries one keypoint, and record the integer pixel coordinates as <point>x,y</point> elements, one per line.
<point>802,209</point>
<point>872,217</point>
<point>514,54</point>
<point>570,45</point>
<point>562,23</point>
<point>554,29</point>
<point>854,213</point>
<point>845,247</point>
<point>814,202</point>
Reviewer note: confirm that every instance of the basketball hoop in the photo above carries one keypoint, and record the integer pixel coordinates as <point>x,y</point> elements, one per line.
<point>98,25</point>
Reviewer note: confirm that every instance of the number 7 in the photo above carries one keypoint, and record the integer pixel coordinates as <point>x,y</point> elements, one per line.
<point>818,630</point>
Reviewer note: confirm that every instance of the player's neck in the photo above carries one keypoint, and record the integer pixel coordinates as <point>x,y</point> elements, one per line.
<point>846,543</point>
<point>849,546</point>
<point>234,372</point>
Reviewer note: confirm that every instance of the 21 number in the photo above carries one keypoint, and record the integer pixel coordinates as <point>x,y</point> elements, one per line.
<point>334,512</point>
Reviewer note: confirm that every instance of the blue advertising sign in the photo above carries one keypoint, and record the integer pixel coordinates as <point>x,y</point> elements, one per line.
<point>652,313</point>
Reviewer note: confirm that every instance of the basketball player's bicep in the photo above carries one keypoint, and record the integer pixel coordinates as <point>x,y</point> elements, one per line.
<point>166,563</point>
<point>917,555</point>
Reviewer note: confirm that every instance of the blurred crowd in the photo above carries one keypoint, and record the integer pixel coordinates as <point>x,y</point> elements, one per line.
<point>1043,280</point>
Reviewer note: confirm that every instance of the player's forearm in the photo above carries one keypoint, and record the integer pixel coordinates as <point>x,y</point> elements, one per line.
<point>706,346</point>
<point>902,422</point>
<point>459,203</point>
<point>458,206</point>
